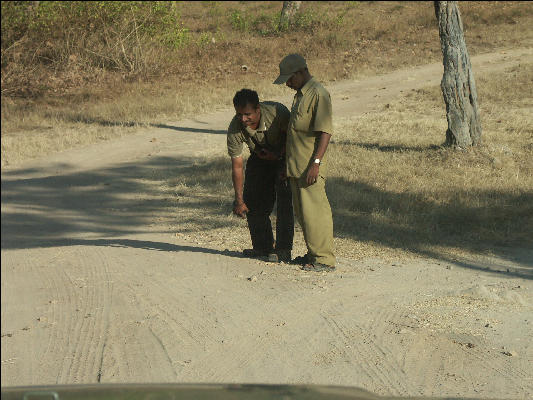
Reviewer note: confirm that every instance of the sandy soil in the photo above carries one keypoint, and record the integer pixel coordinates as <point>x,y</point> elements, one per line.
<point>94,290</point>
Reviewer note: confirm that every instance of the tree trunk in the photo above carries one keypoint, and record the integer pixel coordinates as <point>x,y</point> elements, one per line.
<point>458,85</point>
<point>290,8</point>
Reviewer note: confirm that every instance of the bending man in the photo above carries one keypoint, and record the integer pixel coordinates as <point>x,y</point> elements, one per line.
<point>263,127</point>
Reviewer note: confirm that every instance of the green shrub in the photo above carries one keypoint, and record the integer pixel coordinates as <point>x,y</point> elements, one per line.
<point>239,21</point>
<point>266,25</point>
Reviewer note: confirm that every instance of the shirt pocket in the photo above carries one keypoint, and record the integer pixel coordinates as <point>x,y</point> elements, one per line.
<point>303,117</point>
<point>260,137</point>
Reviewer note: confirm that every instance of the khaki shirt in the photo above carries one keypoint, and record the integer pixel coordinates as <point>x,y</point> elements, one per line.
<point>310,113</point>
<point>270,131</point>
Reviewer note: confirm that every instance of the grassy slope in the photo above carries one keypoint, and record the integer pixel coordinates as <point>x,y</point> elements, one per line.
<point>80,104</point>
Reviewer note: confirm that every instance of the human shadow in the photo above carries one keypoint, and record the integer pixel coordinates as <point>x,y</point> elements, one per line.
<point>188,129</point>
<point>408,221</point>
<point>81,118</point>
<point>387,149</point>
<point>139,244</point>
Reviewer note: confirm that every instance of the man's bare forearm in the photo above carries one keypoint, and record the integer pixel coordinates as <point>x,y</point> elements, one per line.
<point>322,145</point>
<point>237,177</point>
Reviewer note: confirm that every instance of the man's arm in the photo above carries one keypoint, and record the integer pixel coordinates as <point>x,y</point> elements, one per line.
<point>266,154</point>
<point>312,172</point>
<point>237,176</point>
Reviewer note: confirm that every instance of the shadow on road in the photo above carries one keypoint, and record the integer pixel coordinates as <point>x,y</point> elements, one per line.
<point>377,146</point>
<point>77,117</point>
<point>43,208</point>
<point>187,129</point>
<point>51,208</point>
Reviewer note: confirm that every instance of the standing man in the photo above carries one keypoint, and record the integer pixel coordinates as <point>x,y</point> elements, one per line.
<point>308,135</point>
<point>263,127</point>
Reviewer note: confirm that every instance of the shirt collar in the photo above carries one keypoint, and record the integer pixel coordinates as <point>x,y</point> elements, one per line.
<point>307,86</point>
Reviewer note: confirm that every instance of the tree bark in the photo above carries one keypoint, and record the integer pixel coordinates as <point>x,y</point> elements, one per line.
<point>290,8</point>
<point>458,85</point>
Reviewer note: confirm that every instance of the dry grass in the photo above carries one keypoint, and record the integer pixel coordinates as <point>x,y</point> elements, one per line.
<point>402,190</point>
<point>394,191</point>
<point>76,104</point>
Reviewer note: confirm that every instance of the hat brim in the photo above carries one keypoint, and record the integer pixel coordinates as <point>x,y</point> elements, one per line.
<point>282,79</point>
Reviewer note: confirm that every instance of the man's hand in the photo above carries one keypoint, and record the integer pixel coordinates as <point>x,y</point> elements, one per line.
<point>240,209</point>
<point>265,154</point>
<point>312,174</point>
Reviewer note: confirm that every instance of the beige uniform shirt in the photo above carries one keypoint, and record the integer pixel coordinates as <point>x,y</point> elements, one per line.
<point>310,113</point>
<point>270,131</point>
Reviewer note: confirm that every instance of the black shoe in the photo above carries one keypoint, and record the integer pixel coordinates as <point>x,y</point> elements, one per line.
<point>300,260</point>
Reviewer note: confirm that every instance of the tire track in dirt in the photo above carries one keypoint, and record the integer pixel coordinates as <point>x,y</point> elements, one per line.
<point>381,339</point>
<point>361,347</point>
<point>46,347</point>
<point>499,363</point>
<point>86,325</point>
<point>390,323</point>
<point>19,356</point>
<point>200,332</point>
<point>159,302</point>
<point>53,347</point>
<point>188,338</point>
<point>257,328</point>
<point>63,346</point>
<point>434,353</point>
<point>134,349</point>
<point>280,330</point>
<point>74,340</point>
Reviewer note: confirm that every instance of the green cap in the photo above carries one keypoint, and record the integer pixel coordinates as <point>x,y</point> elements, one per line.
<point>288,66</point>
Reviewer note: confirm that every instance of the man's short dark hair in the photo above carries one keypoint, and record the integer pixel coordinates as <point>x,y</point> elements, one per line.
<point>244,97</point>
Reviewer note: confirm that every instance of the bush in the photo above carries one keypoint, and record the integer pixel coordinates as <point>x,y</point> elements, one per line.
<point>106,34</point>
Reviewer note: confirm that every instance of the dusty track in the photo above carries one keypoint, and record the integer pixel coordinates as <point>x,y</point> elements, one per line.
<point>93,290</point>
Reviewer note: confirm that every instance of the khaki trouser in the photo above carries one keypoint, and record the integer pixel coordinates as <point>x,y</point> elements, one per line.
<point>313,212</point>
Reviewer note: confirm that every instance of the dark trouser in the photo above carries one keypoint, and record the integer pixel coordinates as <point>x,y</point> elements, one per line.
<point>262,186</point>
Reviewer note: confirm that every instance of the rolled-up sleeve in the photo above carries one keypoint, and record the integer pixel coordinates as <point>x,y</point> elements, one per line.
<point>234,139</point>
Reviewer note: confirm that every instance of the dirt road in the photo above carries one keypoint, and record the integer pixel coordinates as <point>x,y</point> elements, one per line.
<point>94,290</point>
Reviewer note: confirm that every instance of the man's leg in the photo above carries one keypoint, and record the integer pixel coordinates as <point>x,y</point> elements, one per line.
<point>296,200</point>
<point>284,212</point>
<point>297,207</point>
<point>259,196</point>
<point>284,219</point>
<point>317,221</point>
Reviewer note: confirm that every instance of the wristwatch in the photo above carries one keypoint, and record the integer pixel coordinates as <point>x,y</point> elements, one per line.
<point>317,161</point>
